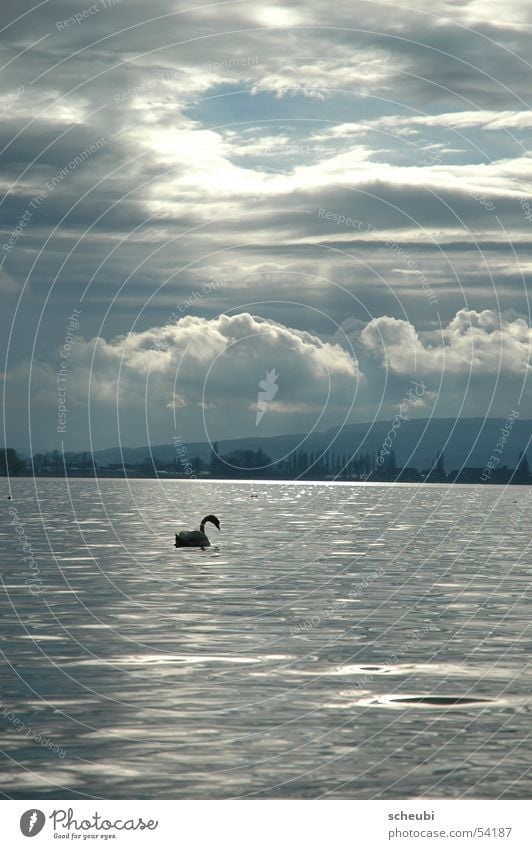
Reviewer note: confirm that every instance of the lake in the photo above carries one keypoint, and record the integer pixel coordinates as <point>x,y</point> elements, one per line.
<point>336,641</point>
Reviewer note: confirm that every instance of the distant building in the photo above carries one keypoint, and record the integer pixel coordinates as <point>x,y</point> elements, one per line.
<point>437,473</point>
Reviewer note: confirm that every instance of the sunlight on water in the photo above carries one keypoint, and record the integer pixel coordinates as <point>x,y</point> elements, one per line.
<point>339,641</point>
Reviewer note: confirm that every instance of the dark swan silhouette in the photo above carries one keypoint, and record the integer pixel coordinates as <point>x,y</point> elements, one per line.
<point>196,539</point>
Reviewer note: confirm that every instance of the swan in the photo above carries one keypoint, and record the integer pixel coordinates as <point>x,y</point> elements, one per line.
<point>196,539</point>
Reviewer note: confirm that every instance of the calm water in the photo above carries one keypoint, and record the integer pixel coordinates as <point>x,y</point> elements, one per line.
<point>270,664</point>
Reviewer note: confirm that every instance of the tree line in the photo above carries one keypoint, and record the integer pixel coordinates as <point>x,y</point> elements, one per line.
<point>242,463</point>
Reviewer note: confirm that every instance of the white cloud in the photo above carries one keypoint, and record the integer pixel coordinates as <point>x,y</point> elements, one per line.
<point>201,362</point>
<point>322,78</point>
<point>399,125</point>
<point>478,342</point>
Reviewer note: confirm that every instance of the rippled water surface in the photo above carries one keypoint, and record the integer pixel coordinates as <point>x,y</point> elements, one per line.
<point>341,641</point>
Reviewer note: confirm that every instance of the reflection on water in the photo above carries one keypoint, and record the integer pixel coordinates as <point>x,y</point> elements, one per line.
<point>335,641</point>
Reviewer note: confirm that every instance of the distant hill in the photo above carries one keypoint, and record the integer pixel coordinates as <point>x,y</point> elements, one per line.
<point>466,442</point>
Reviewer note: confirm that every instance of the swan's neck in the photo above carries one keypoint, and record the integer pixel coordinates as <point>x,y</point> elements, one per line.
<point>202,526</point>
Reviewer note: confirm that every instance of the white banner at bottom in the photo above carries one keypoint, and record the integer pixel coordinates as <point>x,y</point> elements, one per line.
<point>262,824</point>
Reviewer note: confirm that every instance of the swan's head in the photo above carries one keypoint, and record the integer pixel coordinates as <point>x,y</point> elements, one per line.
<point>213,519</point>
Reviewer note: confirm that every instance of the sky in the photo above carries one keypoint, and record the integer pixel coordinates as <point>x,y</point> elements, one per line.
<point>214,210</point>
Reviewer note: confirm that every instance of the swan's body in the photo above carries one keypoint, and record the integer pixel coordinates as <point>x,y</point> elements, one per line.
<point>196,539</point>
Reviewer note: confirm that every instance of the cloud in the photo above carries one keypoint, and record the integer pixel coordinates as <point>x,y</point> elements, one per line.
<point>320,79</point>
<point>202,377</point>
<point>193,343</point>
<point>198,367</point>
<point>227,128</point>
<point>481,343</point>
